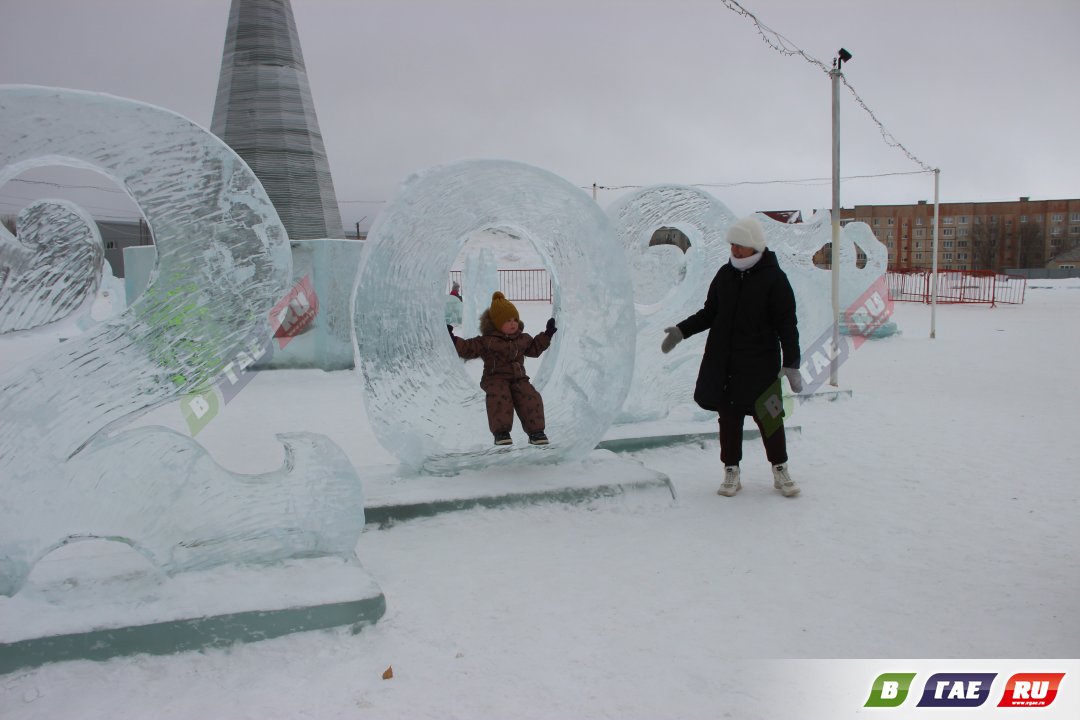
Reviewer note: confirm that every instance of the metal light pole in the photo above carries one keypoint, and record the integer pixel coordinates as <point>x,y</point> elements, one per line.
<point>933,262</point>
<point>834,260</point>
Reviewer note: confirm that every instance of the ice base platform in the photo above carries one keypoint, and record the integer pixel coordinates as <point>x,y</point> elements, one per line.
<point>126,607</point>
<point>646,435</point>
<point>393,497</point>
<point>695,426</point>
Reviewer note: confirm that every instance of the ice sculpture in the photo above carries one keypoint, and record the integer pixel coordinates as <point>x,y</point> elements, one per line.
<point>223,264</point>
<point>223,261</point>
<point>184,511</point>
<point>479,281</point>
<point>52,268</point>
<point>795,246</point>
<point>662,381</point>
<point>422,406</point>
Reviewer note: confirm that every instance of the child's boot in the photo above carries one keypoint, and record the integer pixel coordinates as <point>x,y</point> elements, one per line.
<point>503,438</point>
<point>538,438</point>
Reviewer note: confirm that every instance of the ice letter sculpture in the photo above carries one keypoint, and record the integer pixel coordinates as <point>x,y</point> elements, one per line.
<point>795,246</point>
<point>422,406</point>
<point>65,471</point>
<point>52,268</point>
<point>662,381</point>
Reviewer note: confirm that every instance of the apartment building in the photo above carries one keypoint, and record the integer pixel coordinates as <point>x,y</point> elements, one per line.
<point>1023,233</point>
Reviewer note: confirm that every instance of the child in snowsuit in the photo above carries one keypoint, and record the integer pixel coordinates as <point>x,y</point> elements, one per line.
<point>503,347</point>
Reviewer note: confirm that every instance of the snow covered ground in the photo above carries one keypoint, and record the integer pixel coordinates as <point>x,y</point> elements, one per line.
<point>938,519</point>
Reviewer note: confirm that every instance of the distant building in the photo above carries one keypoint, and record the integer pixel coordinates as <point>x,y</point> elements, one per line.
<point>1068,260</point>
<point>264,111</point>
<point>1023,233</point>
<point>670,236</point>
<point>119,234</point>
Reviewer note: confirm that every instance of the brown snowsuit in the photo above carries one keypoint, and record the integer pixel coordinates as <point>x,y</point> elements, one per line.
<point>504,379</point>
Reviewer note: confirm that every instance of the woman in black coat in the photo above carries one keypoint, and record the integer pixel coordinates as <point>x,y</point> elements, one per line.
<point>753,333</point>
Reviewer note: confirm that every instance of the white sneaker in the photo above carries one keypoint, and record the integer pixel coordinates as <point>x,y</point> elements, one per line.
<point>782,481</point>
<point>731,484</point>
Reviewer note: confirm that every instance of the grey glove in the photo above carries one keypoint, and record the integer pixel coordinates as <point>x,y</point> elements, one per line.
<point>673,338</point>
<point>794,378</point>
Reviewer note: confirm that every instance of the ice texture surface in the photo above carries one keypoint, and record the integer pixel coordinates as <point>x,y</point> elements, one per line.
<point>223,262</point>
<point>183,511</point>
<point>51,268</point>
<point>422,406</point>
<point>795,246</point>
<point>662,381</point>
<point>479,281</point>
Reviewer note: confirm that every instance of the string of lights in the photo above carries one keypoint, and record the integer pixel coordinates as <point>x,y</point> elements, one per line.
<point>885,134</point>
<point>784,46</point>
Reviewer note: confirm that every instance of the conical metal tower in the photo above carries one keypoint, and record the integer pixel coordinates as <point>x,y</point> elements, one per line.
<point>265,113</point>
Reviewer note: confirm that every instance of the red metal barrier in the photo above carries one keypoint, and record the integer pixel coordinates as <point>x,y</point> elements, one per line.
<point>533,284</point>
<point>957,286</point>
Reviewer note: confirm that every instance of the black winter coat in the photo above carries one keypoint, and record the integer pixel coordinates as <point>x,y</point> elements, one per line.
<point>750,316</point>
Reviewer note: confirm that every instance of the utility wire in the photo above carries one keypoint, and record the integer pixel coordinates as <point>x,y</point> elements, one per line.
<point>793,181</point>
<point>736,183</point>
<point>66,185</point>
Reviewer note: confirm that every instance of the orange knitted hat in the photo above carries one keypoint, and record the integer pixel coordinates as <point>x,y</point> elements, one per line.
<point>502,310</point>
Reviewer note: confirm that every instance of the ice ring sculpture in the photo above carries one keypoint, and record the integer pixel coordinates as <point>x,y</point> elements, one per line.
<point>661,381</point>
<point>422,406</point>
<point>223,262</point>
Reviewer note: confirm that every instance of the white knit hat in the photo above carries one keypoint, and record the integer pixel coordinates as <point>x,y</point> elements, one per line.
<point>748,233</point>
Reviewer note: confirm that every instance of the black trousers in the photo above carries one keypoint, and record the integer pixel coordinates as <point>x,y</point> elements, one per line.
<point>731,437</point>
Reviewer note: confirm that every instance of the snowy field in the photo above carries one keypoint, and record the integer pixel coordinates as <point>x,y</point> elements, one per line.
<point>938,519</point>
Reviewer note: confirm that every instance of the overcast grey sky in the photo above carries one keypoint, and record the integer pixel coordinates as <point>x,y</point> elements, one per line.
<point>622,92</point>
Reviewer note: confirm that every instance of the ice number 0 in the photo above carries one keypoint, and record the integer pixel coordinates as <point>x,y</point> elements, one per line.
<point>422,406</point>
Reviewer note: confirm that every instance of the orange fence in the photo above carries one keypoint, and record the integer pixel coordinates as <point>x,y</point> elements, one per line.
<point>520,284</point>
<point>957,286</point>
